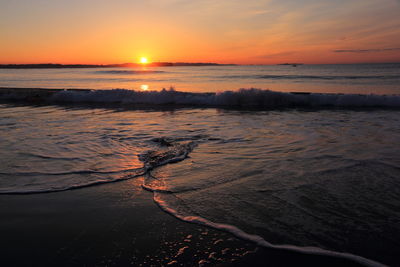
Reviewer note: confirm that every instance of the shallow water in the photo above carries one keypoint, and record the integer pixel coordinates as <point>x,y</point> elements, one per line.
<point>322,178</point>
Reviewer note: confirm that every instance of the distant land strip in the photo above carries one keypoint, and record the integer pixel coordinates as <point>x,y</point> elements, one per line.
<point>124,65</point>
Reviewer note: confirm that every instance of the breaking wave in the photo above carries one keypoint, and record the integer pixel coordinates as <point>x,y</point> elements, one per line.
<point>243,98</point>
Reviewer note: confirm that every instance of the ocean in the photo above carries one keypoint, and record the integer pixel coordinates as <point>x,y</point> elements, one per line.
<point>315,171</point>
<point>356,79</point>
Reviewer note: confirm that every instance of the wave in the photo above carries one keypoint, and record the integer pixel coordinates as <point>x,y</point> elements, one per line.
<point>243,98</point>
<point>60,188</point>
<point>69,173</point>
<point>174,152</point>
<point>128,71</point>
<point>171,151</point>
<point>314,77</point>
<point>258,239</point>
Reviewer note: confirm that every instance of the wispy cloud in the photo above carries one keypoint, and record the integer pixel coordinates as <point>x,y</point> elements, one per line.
<point>280,54</point>
<point>365,50</point>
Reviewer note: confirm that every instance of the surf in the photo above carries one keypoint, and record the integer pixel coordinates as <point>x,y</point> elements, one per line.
<point>251,98</point>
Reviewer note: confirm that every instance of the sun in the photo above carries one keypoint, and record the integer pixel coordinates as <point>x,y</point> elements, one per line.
<point>143,60</point>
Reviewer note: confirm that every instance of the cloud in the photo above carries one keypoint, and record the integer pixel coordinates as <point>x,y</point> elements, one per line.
<point>286,53</point>
<point>365,50</point>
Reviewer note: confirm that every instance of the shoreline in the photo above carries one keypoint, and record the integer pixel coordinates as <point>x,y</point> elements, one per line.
<point>119,224</point>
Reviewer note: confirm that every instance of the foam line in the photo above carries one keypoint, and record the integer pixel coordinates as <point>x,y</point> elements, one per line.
<point>242,98</point>
<point>178,152</point>
<point>258,239</point>
<point>72,187</point>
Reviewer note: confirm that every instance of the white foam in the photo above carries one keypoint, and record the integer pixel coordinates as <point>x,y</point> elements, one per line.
<point>174,153</point>
<point>258,239</point>
<point>179,152</point>
<point>243,98</point>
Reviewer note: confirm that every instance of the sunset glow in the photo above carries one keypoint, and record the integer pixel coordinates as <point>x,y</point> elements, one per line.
<point>144,87</point>
<point>143,60</point>
<point>240,32</point>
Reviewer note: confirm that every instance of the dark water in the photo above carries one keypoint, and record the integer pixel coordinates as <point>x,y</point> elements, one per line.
<point>329,179</point>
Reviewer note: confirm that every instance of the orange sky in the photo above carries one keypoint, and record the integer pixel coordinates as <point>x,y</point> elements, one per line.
<point>224,31</point>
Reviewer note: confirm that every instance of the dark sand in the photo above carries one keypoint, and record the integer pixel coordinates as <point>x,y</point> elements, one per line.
<point>118,224</point>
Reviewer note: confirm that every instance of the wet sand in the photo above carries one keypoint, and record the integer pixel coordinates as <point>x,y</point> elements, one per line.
<point>118,224</point>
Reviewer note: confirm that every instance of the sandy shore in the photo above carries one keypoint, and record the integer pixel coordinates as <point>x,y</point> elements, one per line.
<point>118,224</point>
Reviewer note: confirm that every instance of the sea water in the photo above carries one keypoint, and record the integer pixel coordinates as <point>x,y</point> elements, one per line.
<point>317,180</point>
<point>357,78</point>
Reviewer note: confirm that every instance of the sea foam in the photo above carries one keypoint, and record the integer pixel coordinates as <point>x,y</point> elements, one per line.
<point>251,98</point>
<point>258,239</point>
<point>242,98</point>
<point>170,152</point>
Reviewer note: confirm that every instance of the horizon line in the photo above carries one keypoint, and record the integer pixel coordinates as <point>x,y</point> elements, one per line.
<point>182,62</point>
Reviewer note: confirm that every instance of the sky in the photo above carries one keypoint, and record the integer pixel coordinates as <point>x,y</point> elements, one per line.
<point>222,31</point>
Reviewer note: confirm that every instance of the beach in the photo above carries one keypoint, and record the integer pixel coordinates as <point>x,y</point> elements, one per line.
<point>118,224</point>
